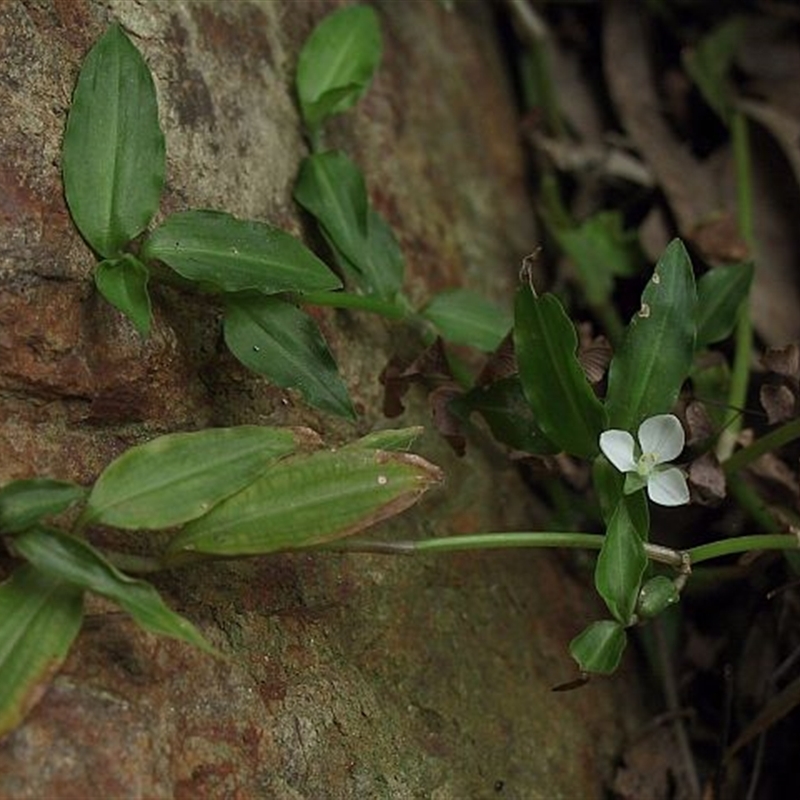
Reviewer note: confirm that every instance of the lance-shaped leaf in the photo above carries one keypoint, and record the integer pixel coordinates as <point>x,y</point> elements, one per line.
<point>40,616</point>
<point>621,564</point>
<point>75,561</point>
<point>309,499</point>
<point>720,294</point>
<point>599,647</point>
<point>25,502</point>
<point>178,477</point>
<point>564,405</point>
<point>123,282</point>
<point>278,340</point>
<point>331,188</point>
<point>221,252</point>
<point>400,439</point>
<point>113,159</point>
<point>466,317</point>
<point>656,355</point>
<point>337,62</point>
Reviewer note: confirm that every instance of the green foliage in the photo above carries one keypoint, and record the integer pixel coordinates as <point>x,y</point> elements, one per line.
<point>178,477</point>
<point>78,564</point>
<point>337,62</point>
<point>113,159</point>
<point>656,354</point>
<point>709,64</point>
<point>123,282</point>
<point>564,405</point>
<point>621,564</point>
<point>720,294</point>
<point>236,491</point>
<point>279,340</point>
<point>400,439</point>
<point>309,499</point>
<point>40,616</point>
<point>218,251</point>
<point>25,502</point>
<point>508,414</point>
<point>332,188</point>
<point>465,317</point>
<point>598,649</point>
<point>600,249</point>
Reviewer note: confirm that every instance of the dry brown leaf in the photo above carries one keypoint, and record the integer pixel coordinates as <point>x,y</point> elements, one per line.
<point>632,84</point>
<point>706,475</point>
<point>780,403</point>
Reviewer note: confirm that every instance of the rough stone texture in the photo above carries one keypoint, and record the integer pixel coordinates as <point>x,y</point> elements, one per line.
<point>350,676</point>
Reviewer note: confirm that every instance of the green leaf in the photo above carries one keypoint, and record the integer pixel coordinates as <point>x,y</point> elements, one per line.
<point>113,159</point>
<point>564,405</point>
<point>219,251</point>
<point>600,248</point>
<point>123,282</point>
<point>709,65</point>
<point>75,561</point>
<point>621,564</point>
<point>308,499</point>
<point>40,617</point>
<point>332,189</point>
<point>466,317</point>
<point>384,265</point>
<point>277,340</point>
<point>599,647</point>
<point>507,413</point>
<point>656,596</point>
<point>175,478</point>
<point>25,502</point>
<point>400,439</point>
<point>720,294</point>
<point>655,357</point>
<point>337,62</point>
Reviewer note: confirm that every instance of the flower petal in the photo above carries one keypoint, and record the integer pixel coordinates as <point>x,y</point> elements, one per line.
<point>662,435</point>
<point>617,447</point>
<point>667,487</point>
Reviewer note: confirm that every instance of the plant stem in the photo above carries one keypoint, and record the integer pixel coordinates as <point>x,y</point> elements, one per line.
<point>743,544</point>
<point>360,302</point>
<point>740,374</point>
<point>493,541</point>
<point>752,504</point>
<point>770,441</point>
<point>589,541</point>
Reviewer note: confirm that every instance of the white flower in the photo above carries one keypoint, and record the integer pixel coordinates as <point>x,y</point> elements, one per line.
<point>661,439</point>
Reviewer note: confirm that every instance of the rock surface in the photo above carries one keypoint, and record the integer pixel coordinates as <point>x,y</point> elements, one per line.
<point>350,676</point>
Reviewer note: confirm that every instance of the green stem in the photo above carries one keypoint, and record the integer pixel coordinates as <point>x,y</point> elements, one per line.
<point>494,541</point>
<point>360,302</point>
<point>740,374</point>
<point>589,541</point>
<point>743,544</point>
<point>770,441</point>
<point>752,504</point>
